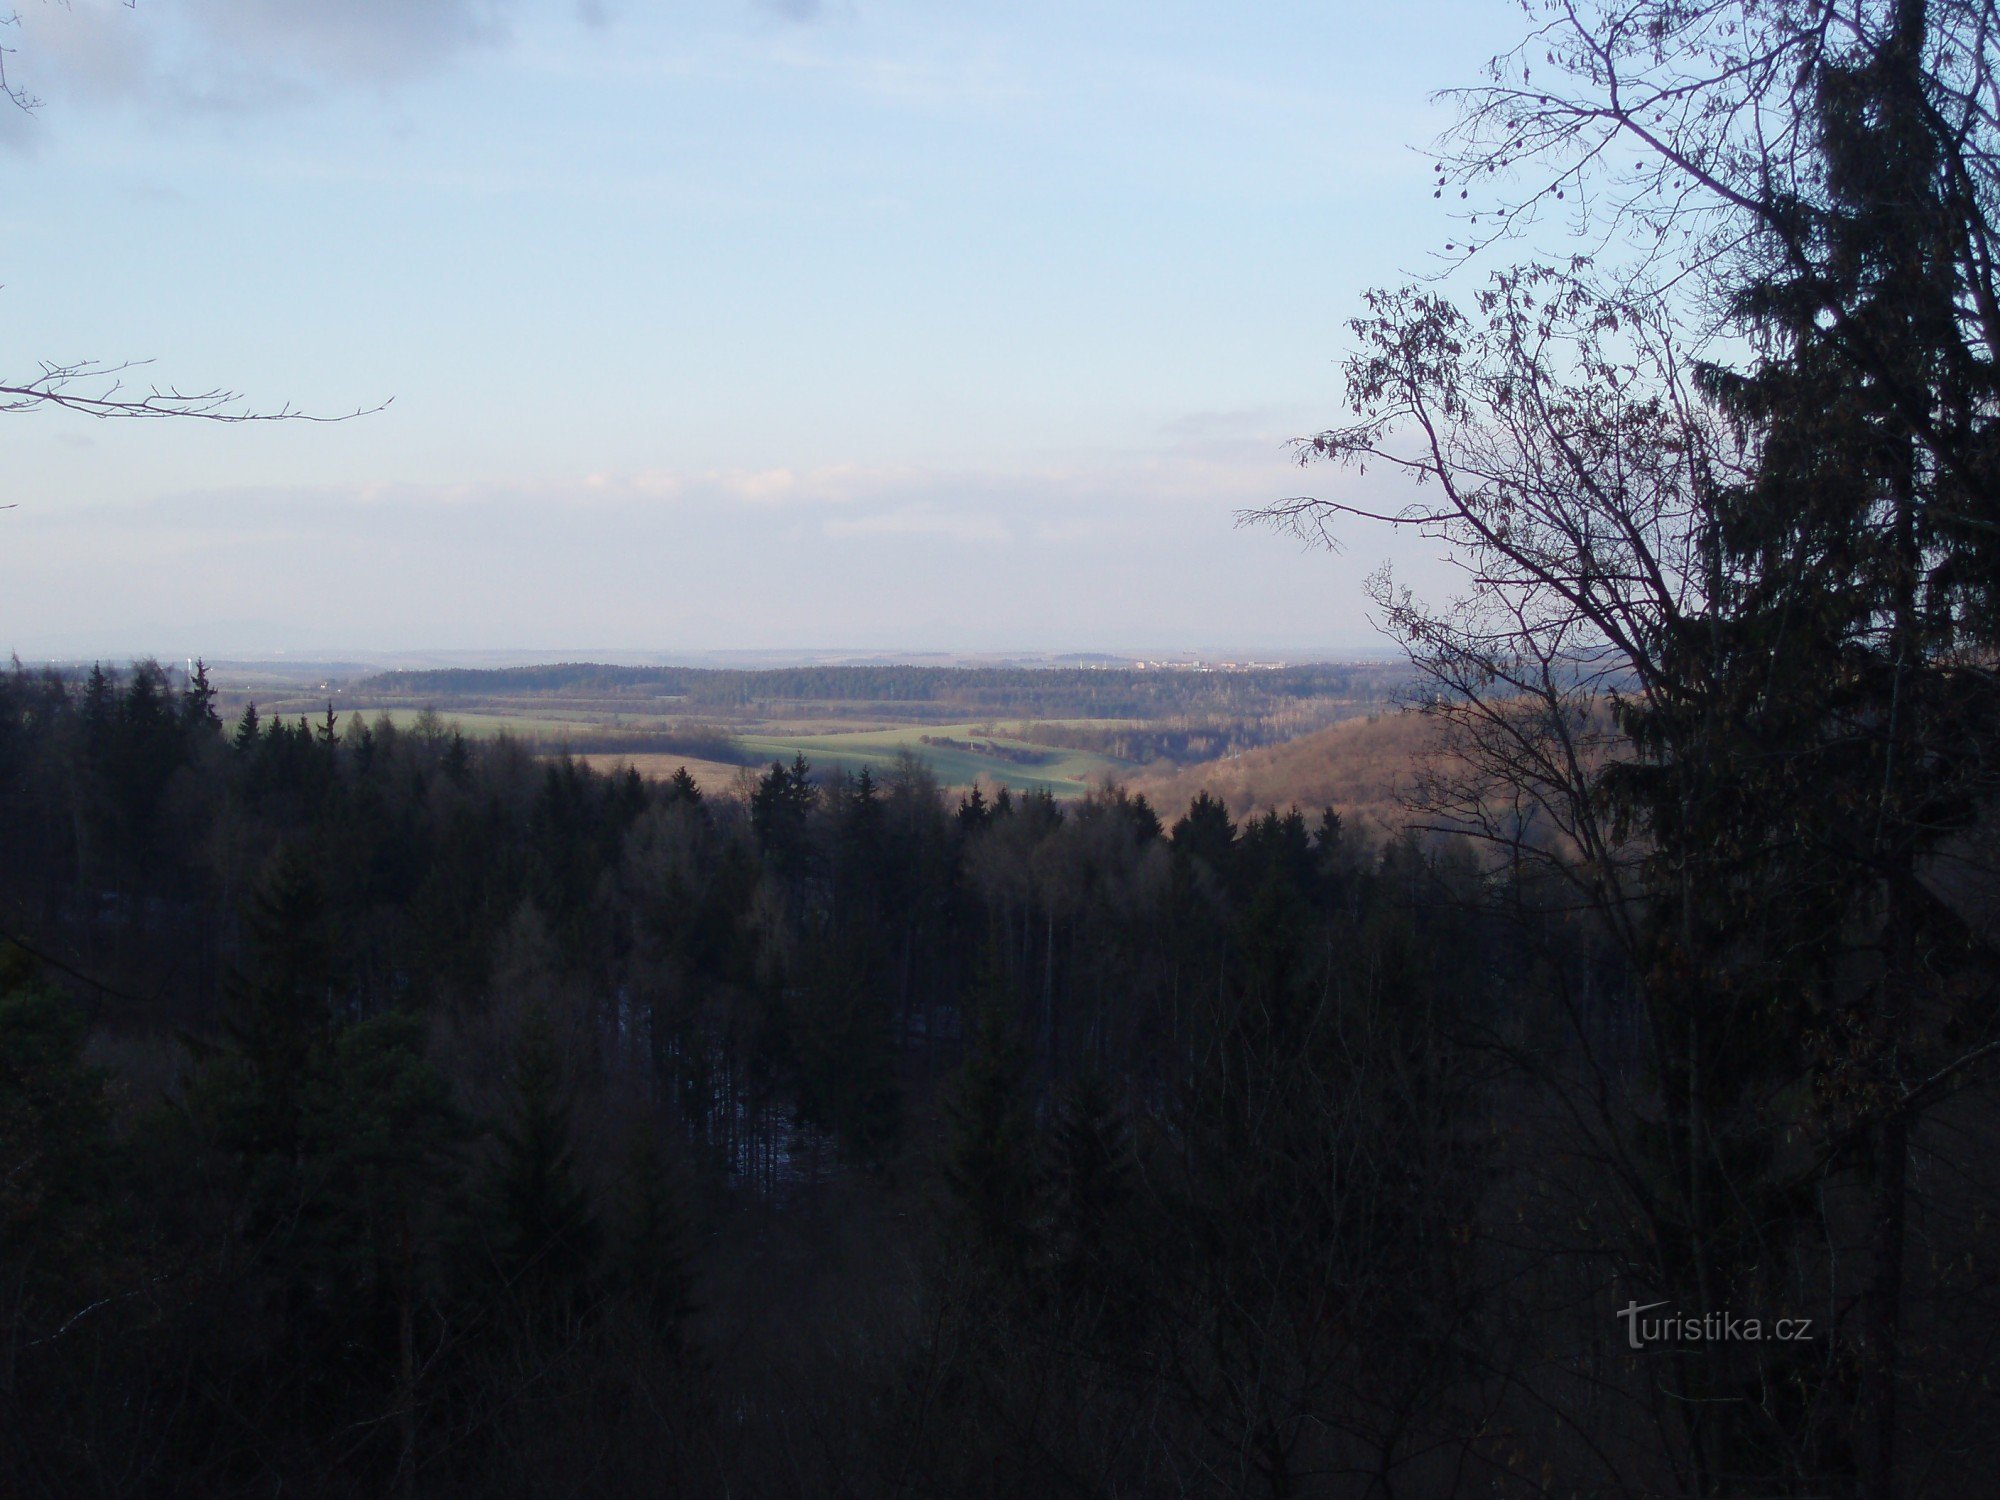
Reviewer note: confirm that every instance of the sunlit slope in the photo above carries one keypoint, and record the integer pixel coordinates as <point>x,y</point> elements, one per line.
<point>1361,769</point>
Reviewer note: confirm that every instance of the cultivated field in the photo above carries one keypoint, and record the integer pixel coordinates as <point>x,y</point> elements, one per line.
<point>1061,731</point>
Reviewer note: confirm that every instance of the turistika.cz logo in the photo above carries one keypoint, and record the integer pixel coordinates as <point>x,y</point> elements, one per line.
<point>1709,1328</point>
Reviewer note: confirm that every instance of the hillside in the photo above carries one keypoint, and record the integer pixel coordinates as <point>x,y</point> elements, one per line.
<point>1360,768</point>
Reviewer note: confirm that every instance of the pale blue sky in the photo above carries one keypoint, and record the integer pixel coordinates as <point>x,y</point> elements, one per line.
<point>711,324</point>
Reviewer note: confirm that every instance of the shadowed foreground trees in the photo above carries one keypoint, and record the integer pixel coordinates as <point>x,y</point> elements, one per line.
<point>434,1120</point>
<point>1723,668</point>
<point>385,1112</point>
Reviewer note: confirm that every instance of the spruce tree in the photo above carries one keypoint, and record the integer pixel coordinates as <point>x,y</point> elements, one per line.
<point>457,760</point>
<point>1092,1192</point>
<point>543,1235</point>
<point>56,1144</point>
<point>651,1242</point>
<point>973,812</point>
<point>280,1007</point>
<point>780,809</point>
<point>990,1166</point>
<point>198,701</point>
<point>1839,736</point>
<point>380,1159</point>
<point>1206,834</point>
<point>100,709</point>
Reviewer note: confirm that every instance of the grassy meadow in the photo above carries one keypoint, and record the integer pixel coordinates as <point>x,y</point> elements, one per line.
<point>957,754</point>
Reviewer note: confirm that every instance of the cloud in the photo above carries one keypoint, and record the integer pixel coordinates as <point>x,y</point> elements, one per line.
<point>1112,553</point>
<point>920,522</point>
<point>1252,424</point>
<point>364,40</point>
<point>244,55</point>
<point>765,487</point>
<point>794,10</point>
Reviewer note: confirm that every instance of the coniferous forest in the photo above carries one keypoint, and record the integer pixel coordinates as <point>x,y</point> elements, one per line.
<point>433,1117</point>
<point>387,1112</point>
<point>392,1113</point>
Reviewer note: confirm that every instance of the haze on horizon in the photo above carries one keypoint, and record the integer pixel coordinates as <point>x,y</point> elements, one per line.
<point>730,326</point>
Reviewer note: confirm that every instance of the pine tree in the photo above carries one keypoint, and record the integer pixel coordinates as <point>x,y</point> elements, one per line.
<point>651,1242</point>
<point>100,710</point>
<point>779,811</point>
<point>198,701</point>
<point>844,1052</point>
<point>1278,849</point>
<point>57,1153</point>
<point>989,1162</point>
<point>280,1007</point>
<point>380,1155</point>
<point>973,813</point>
<point>1841,740</point>
<point>1207,836</point>
<point>457,760</point>
<point>544,1235</point>
<point>860,874</point>
<point>1092,1192</point>
<point>361,741</point>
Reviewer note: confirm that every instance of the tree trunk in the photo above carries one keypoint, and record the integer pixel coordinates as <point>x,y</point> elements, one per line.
<point>406,1363</point>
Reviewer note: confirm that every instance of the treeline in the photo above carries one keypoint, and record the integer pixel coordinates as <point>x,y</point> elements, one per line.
<point>1020,755</point>
<point>382,1112</point>
<point>1192,739</point>
<point>973,692</point>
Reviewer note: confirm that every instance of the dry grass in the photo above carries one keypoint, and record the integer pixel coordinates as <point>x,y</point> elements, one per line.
<point>714,777</point>
<point>1361,769</point>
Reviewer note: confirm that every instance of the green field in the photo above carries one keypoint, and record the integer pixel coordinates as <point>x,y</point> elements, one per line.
<point>1013,762</point>
<point>1026,768</point>
<point>473,726</point>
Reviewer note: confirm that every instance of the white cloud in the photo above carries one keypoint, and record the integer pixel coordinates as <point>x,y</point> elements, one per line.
<point>1131,553</point>
<point>960,527</point>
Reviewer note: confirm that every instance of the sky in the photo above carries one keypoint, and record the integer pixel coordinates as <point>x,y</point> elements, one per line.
<point>710,325</point>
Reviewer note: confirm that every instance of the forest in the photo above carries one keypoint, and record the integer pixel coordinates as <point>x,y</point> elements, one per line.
<point>393,1113</point>
<point>436,1119</point>
<point>390,1110</point>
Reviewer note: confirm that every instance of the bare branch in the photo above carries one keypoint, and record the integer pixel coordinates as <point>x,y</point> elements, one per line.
<point>95,389</point>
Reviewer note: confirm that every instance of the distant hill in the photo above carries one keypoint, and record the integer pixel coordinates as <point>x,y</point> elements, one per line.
<point>1359,768</point>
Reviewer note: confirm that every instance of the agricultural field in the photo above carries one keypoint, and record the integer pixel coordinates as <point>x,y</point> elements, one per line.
<point>957,754</point>
<point>1061,731</point>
